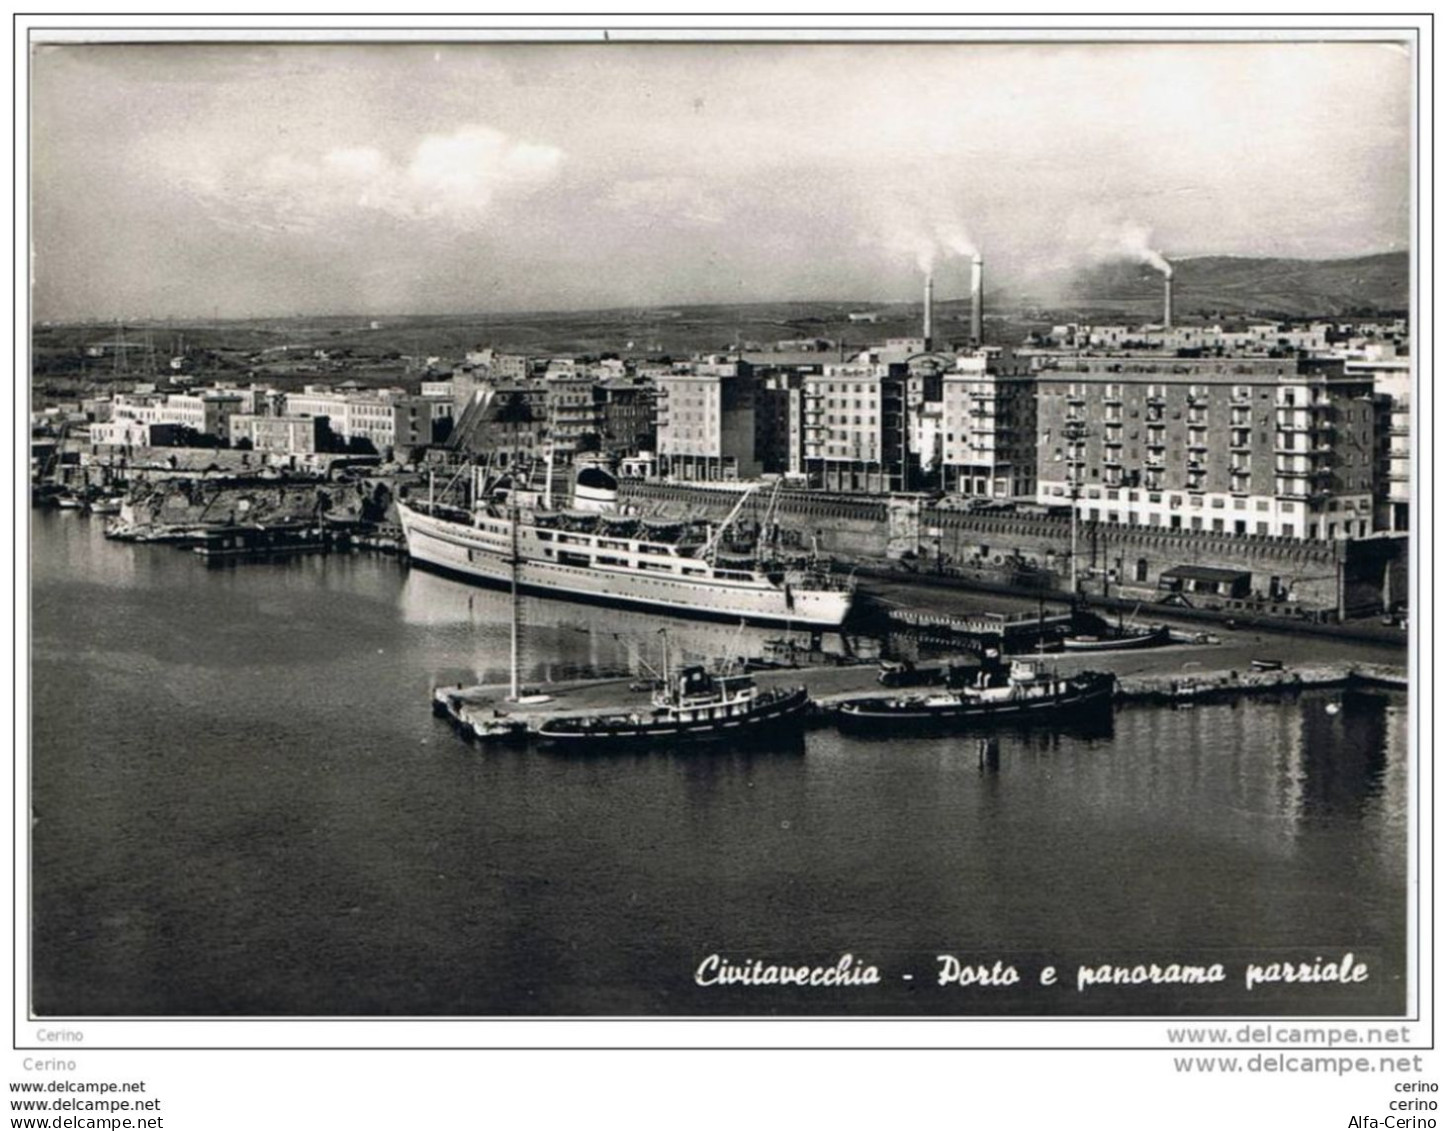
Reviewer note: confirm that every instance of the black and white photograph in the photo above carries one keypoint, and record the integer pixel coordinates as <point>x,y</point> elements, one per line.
<point>785,526</point>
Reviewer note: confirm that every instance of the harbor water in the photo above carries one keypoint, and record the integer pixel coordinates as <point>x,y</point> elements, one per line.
<point>242,805</point>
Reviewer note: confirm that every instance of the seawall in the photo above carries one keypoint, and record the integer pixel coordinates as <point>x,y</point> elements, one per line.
<point>908,535</point>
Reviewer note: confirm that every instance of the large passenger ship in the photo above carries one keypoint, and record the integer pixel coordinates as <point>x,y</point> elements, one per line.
<point>511,535</point>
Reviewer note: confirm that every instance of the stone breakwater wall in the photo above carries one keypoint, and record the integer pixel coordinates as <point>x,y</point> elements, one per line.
<point>1032,552</point>
<point>211,502</point>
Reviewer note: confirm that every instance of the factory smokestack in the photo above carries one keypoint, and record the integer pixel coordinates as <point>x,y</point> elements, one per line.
<point>1170,307</point>
<point>977,300</point>
<point>929,309</point>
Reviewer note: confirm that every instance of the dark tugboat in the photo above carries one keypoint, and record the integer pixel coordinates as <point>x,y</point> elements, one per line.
<point>693,704</point>
<point>1017,694</point>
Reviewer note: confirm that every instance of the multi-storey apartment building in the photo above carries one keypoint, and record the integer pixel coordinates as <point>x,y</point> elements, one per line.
<point>856,429</point>
<point>133,415</point>
<point>988,420</point>
<point>505,424</point>
<point>706,423</point>
<point>626,409</point>
<point>281,435</point>
<point>354,415</point>
<point>1391,378</point>
<point>575,418</point>
<point>1270,446</point>
<point>419,421</point>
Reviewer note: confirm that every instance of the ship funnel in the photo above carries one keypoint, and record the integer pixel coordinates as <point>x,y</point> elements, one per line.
<point>595,489</point>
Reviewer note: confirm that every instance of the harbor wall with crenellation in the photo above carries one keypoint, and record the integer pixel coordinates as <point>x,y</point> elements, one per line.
<point>1337,579</point>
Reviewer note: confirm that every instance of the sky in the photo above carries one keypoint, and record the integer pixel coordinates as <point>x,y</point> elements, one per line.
<point>185,180</point>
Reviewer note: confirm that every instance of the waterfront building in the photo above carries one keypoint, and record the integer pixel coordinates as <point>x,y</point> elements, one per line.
<point>1391,378</point>
<point>855,427</point>
<point>988,420</point>
<point>420,421</point>
<point>288,436</point>
<point>573,410</point>
<point>132,417</point>
<point>355,415</point>
<point>206,413</point>
<point>627,408</point>
<point>1281,447</point>
<point>779,420</point>
<point>504,425</point>
<point>705,420</point>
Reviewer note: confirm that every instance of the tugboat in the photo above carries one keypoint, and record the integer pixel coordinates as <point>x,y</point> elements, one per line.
<point>693,704</point>
<point>1022,693</point>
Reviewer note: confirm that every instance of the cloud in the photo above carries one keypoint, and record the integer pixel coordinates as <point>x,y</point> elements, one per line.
<point>453,179</point>
<point>669,199</point>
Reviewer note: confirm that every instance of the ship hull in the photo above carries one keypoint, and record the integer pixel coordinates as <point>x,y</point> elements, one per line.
<point>1152,639</point>
<point>459,550</point>
<point>901,717</point>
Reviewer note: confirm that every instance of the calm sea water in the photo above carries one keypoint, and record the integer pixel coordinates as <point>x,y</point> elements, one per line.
<point>243,805</point>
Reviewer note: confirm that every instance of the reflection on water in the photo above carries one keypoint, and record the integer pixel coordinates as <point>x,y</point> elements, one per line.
<point>244,805</point>
<point>562,640</point>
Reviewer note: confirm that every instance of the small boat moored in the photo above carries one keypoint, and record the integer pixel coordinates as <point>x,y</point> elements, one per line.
<point>1143,637</point>
<point>1020,693</point>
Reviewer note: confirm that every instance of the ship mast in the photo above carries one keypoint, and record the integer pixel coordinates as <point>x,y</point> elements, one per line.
<point>715,536</point>
<point>513,665</point>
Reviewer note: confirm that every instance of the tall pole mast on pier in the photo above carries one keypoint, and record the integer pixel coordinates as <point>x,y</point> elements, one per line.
<point>513,664</point>
<point>1074,436</point>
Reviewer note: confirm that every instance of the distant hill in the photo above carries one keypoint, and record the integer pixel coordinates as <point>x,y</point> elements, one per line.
<point>1236,285</point>
<point>1207,287</point>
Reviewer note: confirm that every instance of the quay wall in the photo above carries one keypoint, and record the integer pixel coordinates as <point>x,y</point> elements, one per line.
<point>1339,579</point>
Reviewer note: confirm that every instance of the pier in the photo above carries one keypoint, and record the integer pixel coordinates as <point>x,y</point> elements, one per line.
<point>1172,674</point>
